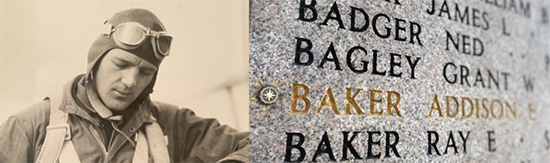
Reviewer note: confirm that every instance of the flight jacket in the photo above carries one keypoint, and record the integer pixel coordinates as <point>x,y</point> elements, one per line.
<point>190,138</point>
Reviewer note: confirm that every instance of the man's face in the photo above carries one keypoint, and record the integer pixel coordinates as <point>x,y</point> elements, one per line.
<point>121,77</point>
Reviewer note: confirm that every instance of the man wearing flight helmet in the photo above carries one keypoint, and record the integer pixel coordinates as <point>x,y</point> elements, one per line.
<point>106,115</point>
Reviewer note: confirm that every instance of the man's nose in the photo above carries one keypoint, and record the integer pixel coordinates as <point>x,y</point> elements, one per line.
<point>129,78</point>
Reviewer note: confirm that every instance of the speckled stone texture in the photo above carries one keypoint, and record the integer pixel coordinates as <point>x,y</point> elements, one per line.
<point>274,26</point>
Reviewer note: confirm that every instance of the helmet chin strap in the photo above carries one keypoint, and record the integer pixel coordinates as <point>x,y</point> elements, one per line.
<point>98,104</point>
<point>148,90</point>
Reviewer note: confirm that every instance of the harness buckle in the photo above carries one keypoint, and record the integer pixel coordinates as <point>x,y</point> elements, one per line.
<point>65,126</point>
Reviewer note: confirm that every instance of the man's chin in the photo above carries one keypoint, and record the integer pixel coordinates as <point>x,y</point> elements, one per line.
<point>117,106</point>
<point>119,103</point>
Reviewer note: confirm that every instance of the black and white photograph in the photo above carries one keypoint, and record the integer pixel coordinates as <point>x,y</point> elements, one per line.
<point>124,81</point>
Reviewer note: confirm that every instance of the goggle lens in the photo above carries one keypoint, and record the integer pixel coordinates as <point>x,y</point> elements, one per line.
<point>163,44</point>
<point>129,35</point>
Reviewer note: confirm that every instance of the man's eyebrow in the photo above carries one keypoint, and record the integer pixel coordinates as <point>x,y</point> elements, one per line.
<point>123,60</point>
<point>149,68</point>
<point>146,68</point>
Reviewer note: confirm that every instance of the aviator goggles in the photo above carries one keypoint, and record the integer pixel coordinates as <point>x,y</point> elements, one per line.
<point>131,35</point>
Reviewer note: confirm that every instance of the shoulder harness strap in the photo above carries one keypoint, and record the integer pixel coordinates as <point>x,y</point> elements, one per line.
<point>57,146</point>
<point>151,142</point>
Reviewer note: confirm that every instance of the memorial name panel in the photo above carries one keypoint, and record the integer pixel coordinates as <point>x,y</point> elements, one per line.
<point>396,80</point>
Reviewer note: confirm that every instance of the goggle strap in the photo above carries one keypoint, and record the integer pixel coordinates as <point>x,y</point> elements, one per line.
<point>148,32</point>
<point>107,30</point>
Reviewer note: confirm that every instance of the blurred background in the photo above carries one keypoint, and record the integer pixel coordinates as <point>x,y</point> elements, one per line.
<point>44,44</point>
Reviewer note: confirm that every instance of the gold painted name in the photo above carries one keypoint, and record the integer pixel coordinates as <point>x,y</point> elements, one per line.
<point>468,107</point>
<point>391,103</point>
